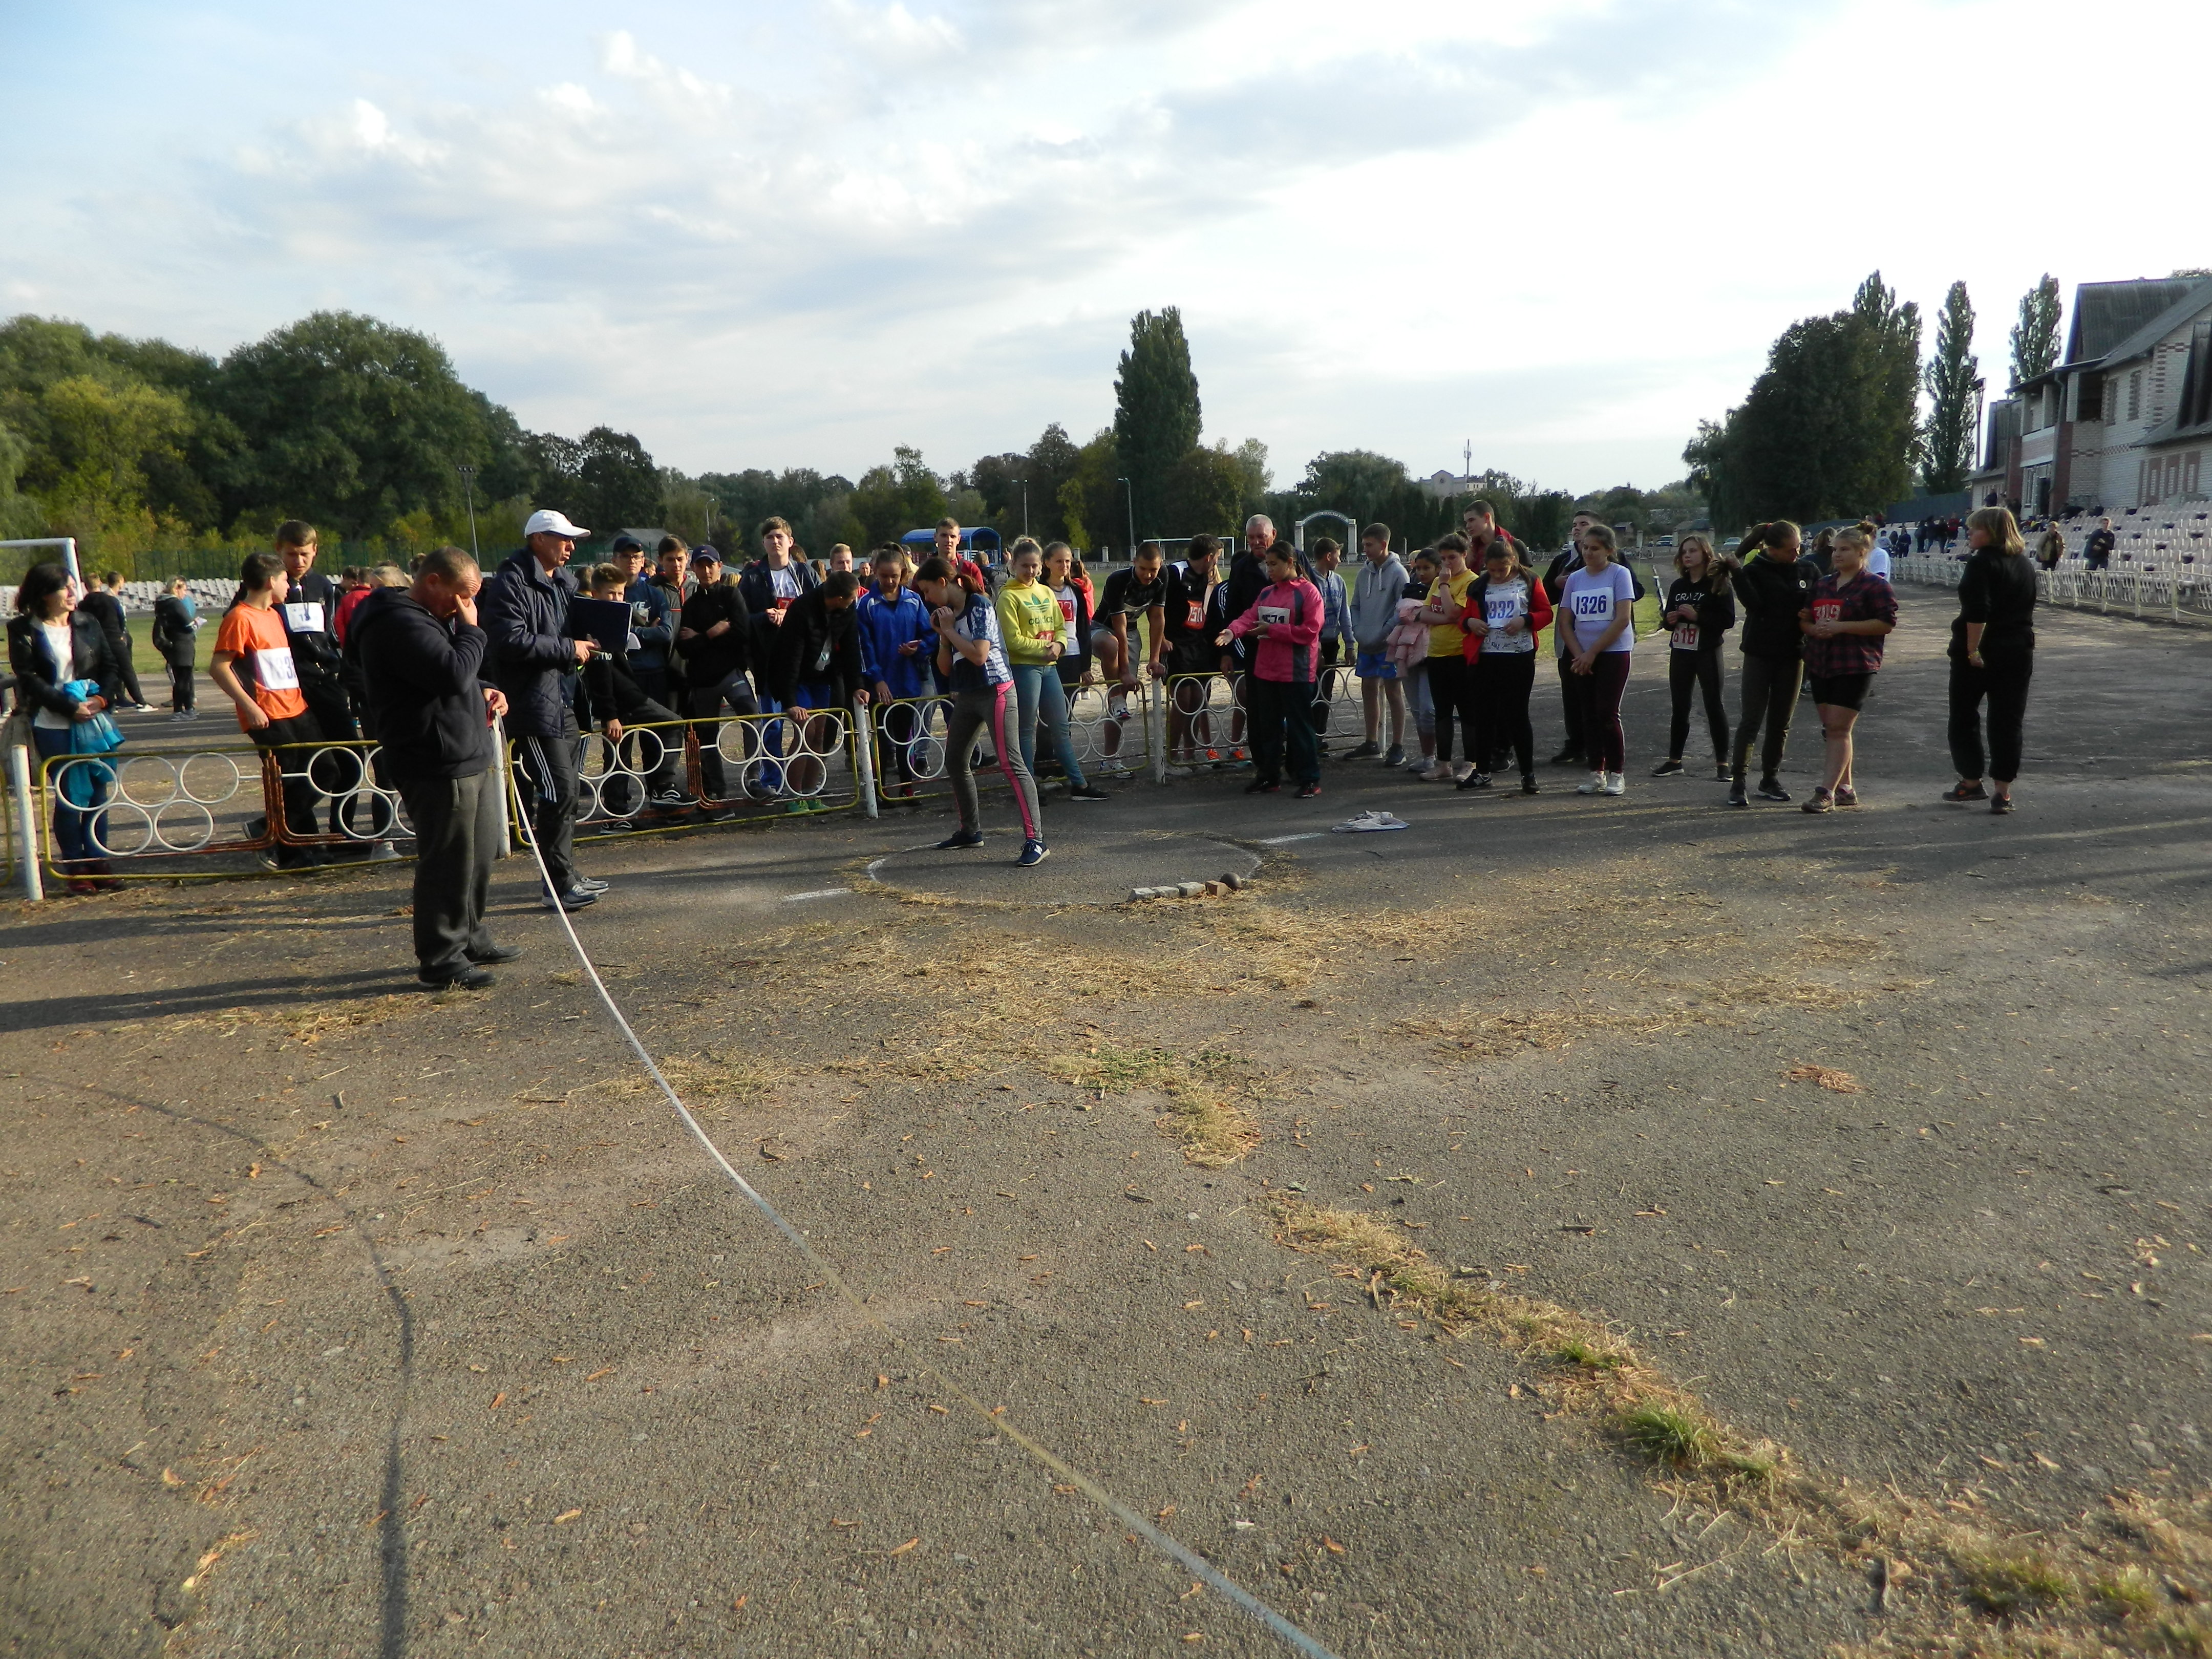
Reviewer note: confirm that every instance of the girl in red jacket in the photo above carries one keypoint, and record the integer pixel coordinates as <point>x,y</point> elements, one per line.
<point>1285,621</point>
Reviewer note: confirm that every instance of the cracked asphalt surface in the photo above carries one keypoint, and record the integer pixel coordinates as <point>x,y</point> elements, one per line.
<point>343,1321</point>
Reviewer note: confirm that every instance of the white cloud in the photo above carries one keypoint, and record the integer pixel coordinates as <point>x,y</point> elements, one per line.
<point>1565,228</point>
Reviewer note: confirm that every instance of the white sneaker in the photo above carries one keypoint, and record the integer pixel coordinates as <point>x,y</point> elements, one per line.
<point>1594,787</point>
<point>1615,784</point>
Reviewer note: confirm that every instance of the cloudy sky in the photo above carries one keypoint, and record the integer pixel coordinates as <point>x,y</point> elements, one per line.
<point>801,231</point>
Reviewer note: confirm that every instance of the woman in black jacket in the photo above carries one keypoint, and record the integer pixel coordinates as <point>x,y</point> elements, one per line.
<point>1699,611</point>
<point>52,644</point>
<point>176,620</point>
<point>1773,583</point>
<point>1992,655</point>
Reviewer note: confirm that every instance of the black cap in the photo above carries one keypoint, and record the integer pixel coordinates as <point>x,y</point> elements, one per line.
<point>705,554</point>
<point>627,544</point>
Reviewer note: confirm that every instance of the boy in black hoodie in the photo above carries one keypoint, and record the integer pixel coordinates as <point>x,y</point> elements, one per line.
<point>612,700</point>
<point>815,667</point>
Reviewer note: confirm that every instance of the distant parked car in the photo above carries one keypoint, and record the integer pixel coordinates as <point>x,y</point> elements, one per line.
<point>1731,543</point>
<point>1664,541</point>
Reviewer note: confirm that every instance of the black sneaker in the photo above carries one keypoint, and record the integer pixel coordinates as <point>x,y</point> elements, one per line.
<point>1474,781</point>
<point>497,953</point>
<point>1397,756</point>
<point>960,840</point>
<point>1666,768</point>
<point>1367,751</point>
<point>1034,853</point>
<point>1567,758</point>
<point>1261,786</point>
<point>1959,793</point>
<point>572,901</point>
<point>1308,791</point>
<point>1088,792</point>
<point>464,979</point>
<point>1772,789</point>
<point>1736,795</point>
<point>1529,784</point>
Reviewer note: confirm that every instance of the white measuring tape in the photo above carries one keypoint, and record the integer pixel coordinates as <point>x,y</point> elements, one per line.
<point>1207,1573</point>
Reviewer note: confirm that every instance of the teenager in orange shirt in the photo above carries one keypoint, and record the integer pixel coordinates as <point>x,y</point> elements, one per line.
<point>252,667</point>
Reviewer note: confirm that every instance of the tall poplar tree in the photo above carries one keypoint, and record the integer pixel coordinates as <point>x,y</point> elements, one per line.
<point>1156,414</point>
<point>1947,441</point>
<point>2035,339</point>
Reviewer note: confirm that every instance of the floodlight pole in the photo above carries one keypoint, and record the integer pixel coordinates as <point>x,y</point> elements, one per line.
<point>469,485</point>
<point>1024,483</point>
<point>1129,494</point>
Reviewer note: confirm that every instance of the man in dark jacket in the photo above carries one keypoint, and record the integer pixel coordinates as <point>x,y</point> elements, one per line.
<point>533,661</point>
<point>716,633</point>
<point>103,604</point>
<point>421,655</point>
<point>1772,586</point>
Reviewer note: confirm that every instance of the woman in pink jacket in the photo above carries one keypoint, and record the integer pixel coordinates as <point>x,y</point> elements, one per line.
<point>1285,622</point>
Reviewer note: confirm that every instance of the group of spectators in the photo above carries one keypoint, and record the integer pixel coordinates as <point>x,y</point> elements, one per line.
<point>1447,642</point>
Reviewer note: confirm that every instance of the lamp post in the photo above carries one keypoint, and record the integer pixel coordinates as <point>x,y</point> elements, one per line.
<point>469,485</point>
<point>1129,495</point>
<point>1023,484</point>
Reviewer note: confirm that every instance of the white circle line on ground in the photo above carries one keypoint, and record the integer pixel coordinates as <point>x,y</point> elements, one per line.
<point>1306,835</point>
<point>820,892</point>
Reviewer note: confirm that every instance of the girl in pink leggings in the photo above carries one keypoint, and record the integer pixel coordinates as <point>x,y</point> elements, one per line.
<point>973,659</point>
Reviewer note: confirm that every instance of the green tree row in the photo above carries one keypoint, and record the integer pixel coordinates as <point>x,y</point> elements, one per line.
<point>357,426</point>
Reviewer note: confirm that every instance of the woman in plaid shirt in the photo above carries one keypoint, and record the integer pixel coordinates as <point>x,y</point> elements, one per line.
<point>1852,609</point>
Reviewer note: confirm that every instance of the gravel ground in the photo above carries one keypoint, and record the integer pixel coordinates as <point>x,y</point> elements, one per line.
<point>340,1320</point>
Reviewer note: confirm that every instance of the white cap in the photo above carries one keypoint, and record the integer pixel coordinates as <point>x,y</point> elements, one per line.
<point>548,522</point>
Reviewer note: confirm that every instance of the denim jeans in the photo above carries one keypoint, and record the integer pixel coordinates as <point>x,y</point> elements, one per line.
<point>1038,693</point>
<point>80,793</point>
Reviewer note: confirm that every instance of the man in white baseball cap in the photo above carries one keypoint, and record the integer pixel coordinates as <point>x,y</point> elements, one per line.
<point>524,610</point>
<point>551,521</point>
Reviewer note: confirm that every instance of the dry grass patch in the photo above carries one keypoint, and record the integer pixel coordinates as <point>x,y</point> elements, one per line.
<point>1213,1129</point>
<point>709,1077</point>
<point>1592,1368</point>
<point>2130,1586</point>
<point>1827,1077</point>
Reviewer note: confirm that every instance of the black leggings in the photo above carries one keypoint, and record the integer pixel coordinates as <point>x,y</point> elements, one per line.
<point>1503,683</point>
<point>2005,684</point>
<point>1607,747</point>
<point>1451,689</point>
<point>1771,685</point>
<point>1703,669</point>
<point>180,687</point>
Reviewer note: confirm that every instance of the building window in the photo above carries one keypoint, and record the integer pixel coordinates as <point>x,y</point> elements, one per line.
<point>2135,396</point>
<point>2112,401</point>
<point>2191,476</point>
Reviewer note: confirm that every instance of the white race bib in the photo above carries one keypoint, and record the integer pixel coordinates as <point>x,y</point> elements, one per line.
<point>1593,605</point>
<point>304,617</point>
<point>1275,613</point>
<point>1685,636</point>
<point>275,671</point>
<point>1499,612</point>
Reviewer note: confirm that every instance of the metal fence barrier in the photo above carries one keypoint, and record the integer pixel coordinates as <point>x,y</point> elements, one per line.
<point>2178,595</point>
<point>746,765</point>
<point>148,810</point>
